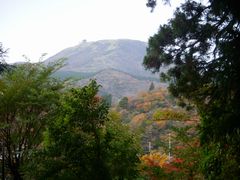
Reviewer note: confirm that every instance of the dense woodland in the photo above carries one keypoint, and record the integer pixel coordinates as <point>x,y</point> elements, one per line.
<point>51,129</point>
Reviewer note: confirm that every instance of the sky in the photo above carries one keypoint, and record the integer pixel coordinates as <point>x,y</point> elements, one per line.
<point>34,27</point>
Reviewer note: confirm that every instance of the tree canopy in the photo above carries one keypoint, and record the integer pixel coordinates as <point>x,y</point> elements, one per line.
<point>28,95</point>
<point>84,141</point>
<point>123,103</point>
<point>3,53</point>
<point>200,45</point>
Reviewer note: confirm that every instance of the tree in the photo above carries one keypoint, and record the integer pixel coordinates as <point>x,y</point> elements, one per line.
<point>2,52</point>
<point>3,64</point>
<point>123,103</point>
<point>151,4</point>
<point>122,147</point>
<point>200,43</point>
<point>151,86</point>
<point>28,95</point>
<point>83,141</point>
<point>108,98</point>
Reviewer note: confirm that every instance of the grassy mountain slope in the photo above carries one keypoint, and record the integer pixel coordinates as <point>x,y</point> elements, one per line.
<point>124,55</point>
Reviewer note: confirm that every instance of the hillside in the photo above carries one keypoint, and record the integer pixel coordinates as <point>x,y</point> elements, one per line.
<point>89,57</point>
<point>118,84</point>
<point>115,64</point>
<point>155,113</point>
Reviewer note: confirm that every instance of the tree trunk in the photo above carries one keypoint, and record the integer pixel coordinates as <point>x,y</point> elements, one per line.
<point>17,175</point>
<point>14,170</point>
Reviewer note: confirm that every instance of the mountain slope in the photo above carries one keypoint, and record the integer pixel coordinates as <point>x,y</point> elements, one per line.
<point>115,64</point>
<point>123,55</point>
<point>118,84</point>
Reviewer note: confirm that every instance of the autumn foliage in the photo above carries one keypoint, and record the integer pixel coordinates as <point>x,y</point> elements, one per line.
<point>154,159</point>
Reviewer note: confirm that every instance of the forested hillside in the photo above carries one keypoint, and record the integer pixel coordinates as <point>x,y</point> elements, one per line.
<point>167,132</point>
<point>115,64</point>
<point>113,120</point>
<point>153,114</point>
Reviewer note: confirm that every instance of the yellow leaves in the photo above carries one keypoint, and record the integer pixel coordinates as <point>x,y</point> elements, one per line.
<point>154,159</point>
<point>169,114</point>
<point>114,115</point>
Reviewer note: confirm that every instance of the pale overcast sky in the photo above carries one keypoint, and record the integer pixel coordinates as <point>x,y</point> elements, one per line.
<point>34,27</point>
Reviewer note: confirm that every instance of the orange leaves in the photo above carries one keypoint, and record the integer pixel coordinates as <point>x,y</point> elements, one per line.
<point>154,159</point>
<point>138,119</point>
<point>146,106</point>
<point>145,101</point>
<point>171,166</point>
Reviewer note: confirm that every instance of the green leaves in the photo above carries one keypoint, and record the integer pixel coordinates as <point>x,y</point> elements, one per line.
<point>123,103</point>
<point>200,44</point>
<point>28,96</point>
<point>84,141</point>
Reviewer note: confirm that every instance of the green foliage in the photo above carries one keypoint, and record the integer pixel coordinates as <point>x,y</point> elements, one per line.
<point>83,141</point>
<point>3,64</point>
<point>28,96</point>
<point>186,153</point>
<point>73,138</point>
<point>201,46</point>
<point>121,149</point>
<point>2,53</point>
<point>221,160</point>
<point>107,98</point>
<point>123,103</point>
<point>169,114</point>
<point>72,74</point>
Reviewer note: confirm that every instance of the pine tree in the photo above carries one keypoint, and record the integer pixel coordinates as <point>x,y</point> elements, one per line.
<point>151,86</point>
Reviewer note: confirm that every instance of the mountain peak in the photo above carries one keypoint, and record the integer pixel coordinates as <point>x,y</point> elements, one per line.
<point>120,54</point>
<point>115,64</point>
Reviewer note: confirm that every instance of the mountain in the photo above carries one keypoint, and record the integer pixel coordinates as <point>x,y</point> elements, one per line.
<point>123,55</point>
<point>119,84</point>
<point>115,64</point>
